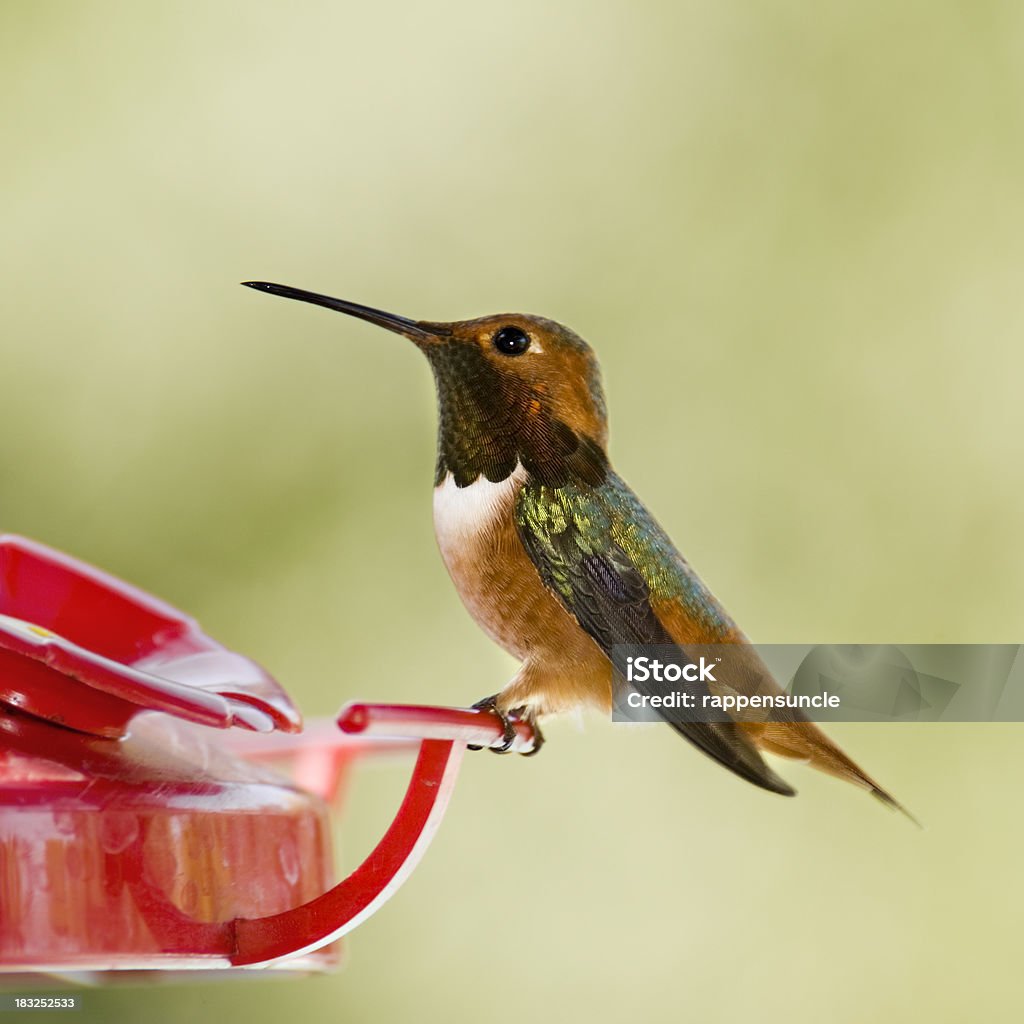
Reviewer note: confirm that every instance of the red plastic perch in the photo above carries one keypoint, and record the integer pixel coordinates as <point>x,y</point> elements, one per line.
<point>444,733</point>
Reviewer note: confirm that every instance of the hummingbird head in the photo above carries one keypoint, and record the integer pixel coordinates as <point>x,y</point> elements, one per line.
<point>512,390</point>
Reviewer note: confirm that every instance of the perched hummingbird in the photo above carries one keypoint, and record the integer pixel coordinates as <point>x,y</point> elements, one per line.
<point>552,554</point>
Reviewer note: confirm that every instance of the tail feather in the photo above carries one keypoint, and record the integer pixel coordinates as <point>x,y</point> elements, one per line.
<point>893,804</point>
<point>804,741</point>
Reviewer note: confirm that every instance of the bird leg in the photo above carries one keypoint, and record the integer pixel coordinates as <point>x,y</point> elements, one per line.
<point>508,723</point>
<point>509,737</point>
<point>538,736</point>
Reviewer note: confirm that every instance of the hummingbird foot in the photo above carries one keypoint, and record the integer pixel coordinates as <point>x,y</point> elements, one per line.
<point>508,721</point>
<point>538,736</point>
<point>509,737</point>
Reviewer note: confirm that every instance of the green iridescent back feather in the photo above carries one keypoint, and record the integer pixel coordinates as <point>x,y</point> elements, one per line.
<point>578,520</point>
<point>613,566</point>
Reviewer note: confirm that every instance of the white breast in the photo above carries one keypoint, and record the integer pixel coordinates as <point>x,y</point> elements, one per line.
<point>462,514</point>
<point>473,525</point>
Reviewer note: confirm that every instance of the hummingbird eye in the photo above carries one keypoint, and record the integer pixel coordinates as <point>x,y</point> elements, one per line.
<point>511,341</point>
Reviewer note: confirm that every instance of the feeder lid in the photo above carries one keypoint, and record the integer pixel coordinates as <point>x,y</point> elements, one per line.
<point>83,649</point>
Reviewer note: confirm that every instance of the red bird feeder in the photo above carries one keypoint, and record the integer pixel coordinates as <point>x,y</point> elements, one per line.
<point>135,840</point>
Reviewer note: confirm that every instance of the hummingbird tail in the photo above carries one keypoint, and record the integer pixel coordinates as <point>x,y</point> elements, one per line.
<point>893,804</point>
<point>804,741</point>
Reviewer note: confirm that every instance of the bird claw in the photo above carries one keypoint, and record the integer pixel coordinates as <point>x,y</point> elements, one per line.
<point>509,735</point>
<point>538,739</point>
<point>508,723</point>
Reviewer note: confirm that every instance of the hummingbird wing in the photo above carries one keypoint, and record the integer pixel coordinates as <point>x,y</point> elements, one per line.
<point>600,551</point>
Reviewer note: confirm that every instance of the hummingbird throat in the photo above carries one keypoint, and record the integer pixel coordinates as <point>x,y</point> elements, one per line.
<point>490,422</point>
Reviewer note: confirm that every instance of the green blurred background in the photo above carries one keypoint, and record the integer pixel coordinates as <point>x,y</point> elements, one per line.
<point>793,234</point>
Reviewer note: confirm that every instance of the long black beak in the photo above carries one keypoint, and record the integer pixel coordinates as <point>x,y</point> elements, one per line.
<point>415,330</point>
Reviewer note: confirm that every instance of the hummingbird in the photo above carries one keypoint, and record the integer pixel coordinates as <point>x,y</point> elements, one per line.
<point>553,555</point>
